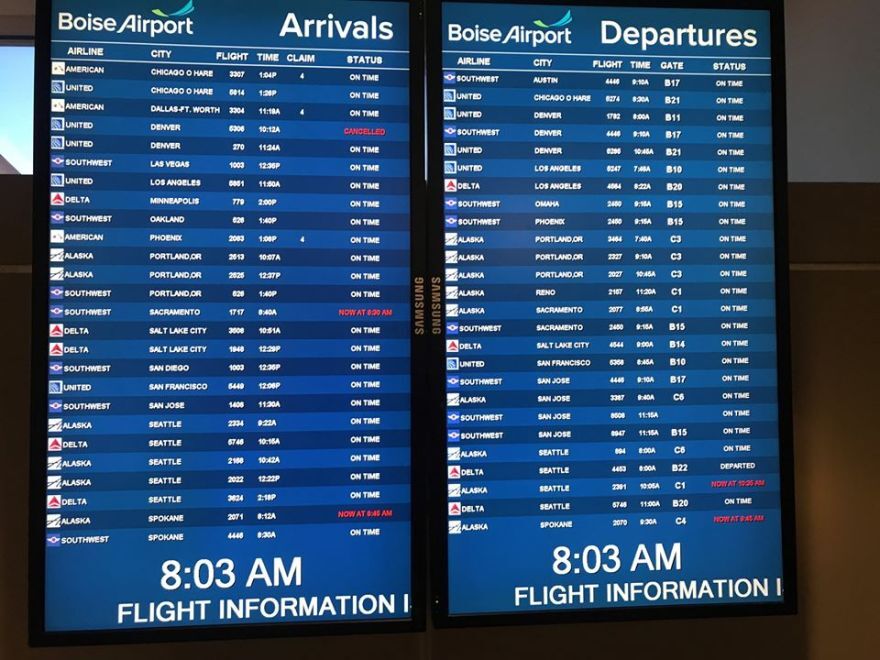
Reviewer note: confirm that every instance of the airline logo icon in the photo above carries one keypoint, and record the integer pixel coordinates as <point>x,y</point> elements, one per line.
<point>453,453</point>
<point>450,131</point>
<point>449,114</point>
<point>454,508</point>
<point>55,425</point>
<point>453,399</point>
<point>53,482</point>
<point>451,256</point>
<point>455,527</point>
<point>453,435</point>
<point>57,105</point>
<point>450,148</point>
<point>58,68</point>
<point>56,235</point>
<point>453,472</point>
<point>450,167</point>
<point>452,221</point>
<point>56,292</point>
<point>56,255</point>
<point>56,199</point>
<point>53,463</point>
<point>53,521</point>
<point>452,293</point>
<point>56,311</point>
<point>57,143</point>
<point>56,387</point>
<point>454,490</point>
<point>451,239</point>
<point>53,502</point>
<point>57,217</point>
<point>56,368</point>
<point>55,406</point>
<point>452,274</point>
<point>56,180</point>
<point>55,444</point>
<point>56,124</point>
<point>449,96</point>
<point>451,203</point>
<point>53,541</point>
<point>56,330</point>
<point>58,87</point>
<point>56,274</point>
<point>449,77</point>
<point>452,346</point>
<point>56,349</point>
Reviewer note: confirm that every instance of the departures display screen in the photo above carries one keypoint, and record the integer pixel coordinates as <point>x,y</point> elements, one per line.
<point>223,424</point>
<point>613,434</point>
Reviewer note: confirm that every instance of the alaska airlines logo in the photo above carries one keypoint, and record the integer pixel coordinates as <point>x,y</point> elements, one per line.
<point>186,10</point>
<point>562,22</point>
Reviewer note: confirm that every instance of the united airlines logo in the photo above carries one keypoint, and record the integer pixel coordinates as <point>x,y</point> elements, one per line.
<point>186,10</point>
<point>562,22</point>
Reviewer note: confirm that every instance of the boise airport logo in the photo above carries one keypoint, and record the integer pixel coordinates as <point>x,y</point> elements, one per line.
<point>546,34</point>
<point>177,22</point>
<point>186,10</point>
<point>335,28</point>
<point>562,22</point>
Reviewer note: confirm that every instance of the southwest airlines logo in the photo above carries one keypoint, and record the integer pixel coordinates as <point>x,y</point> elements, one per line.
<point>554,33</point>
<point>186,10</point>
<point>562,22</point>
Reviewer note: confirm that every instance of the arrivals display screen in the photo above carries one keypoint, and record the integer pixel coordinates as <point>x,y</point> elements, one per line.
<point>608,223</point>
<point>222,318</point>
<point>16,111</point>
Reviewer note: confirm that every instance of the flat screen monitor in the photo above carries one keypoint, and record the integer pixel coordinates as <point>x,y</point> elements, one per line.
<point>222,308</point>
<point>608,221</point>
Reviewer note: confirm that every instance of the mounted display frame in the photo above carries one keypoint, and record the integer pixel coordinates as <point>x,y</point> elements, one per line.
<point>40,634</point>
<point>479,570</point>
